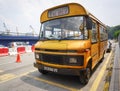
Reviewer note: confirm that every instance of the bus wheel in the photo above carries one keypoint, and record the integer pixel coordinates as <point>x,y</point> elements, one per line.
<point>85,76</point>
<point>101,60</point>
<point>42,71</point>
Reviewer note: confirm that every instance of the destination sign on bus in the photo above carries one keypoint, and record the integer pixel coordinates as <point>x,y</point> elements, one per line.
<point>58,12</point>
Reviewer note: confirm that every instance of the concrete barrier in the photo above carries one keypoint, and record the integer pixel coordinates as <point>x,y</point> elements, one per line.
<point>4,51</point>
<point>33,48</point>
<point>21,49</point>
<point>13,51</point>
<point>28,49</point>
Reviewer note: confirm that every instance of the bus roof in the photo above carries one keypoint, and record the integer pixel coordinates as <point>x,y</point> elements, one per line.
<point>74,9</point>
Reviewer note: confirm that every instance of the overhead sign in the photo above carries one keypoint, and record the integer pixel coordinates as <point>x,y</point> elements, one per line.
<point>58,12</point>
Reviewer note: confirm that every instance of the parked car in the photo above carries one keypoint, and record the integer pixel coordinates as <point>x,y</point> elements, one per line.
<point>109,46</point>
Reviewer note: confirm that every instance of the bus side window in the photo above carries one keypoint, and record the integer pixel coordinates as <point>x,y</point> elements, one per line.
<point>103,33</point>
<point>94,32</point>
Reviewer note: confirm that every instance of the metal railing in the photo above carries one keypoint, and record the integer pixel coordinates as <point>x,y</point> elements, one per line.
<point>2,33</point>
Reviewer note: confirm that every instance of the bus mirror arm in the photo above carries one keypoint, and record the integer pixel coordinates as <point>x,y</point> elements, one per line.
<point>88,23</point>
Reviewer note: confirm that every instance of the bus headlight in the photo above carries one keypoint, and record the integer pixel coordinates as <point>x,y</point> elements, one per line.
<point>72,60</point>
<point>36,56</point>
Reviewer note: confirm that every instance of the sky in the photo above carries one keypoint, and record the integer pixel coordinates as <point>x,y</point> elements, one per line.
<point>25,13</point>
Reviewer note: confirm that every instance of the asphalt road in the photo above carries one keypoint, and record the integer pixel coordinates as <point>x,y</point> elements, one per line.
<point>24,77</point>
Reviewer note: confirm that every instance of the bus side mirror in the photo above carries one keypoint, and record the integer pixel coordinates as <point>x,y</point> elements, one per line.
<point>88,23</point>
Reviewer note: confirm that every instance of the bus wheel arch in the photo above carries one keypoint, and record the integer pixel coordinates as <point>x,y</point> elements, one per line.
<point>86,73</point>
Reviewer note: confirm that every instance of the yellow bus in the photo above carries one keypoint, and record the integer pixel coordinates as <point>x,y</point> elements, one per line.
<point>72,41</point>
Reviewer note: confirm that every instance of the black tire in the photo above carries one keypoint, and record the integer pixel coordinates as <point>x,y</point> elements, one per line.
<point>101,60</point>
<point>85,76</point>
<point>43,71</point>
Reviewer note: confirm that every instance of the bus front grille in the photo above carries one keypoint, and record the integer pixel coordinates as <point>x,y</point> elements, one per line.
<point>61,59</point>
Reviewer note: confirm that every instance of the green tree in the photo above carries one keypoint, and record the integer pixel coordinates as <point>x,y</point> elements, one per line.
<point>116,34</point>
<point>112,31</point>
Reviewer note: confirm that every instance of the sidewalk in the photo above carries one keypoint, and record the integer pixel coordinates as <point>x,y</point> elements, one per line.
<point>115,79</point>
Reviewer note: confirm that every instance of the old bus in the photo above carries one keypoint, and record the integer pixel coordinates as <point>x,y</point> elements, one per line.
<point>72,41</point>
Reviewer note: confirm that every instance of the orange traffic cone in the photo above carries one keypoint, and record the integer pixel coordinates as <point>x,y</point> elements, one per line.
<point>18,60</point>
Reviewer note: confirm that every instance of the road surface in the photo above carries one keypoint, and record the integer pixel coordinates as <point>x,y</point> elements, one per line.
<point>24,77</point>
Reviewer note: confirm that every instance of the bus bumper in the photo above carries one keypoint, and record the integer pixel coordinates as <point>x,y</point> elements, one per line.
<point>64,71</point>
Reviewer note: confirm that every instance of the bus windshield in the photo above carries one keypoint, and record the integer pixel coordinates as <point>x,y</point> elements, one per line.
<point>69,28</point>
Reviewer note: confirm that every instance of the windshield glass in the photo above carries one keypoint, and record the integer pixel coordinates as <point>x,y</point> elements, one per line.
<point>64,28</point>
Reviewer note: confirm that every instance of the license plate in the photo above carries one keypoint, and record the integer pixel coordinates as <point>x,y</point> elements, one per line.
<point>50,69</point>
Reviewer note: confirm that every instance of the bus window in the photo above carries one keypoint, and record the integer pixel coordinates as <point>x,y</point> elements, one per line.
<point>63,28</point>
<point>94,32</point>
<point>103,33</point>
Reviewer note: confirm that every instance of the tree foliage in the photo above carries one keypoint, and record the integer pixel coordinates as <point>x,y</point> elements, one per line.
<point>113,32</point>
<point>116,34</point>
